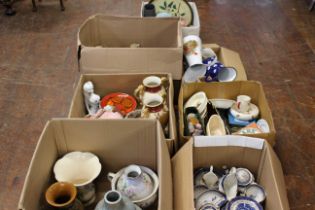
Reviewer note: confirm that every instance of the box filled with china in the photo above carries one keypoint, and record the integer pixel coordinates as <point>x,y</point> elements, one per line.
<point>225,108</point>
<point>228,172</point>
<point>187,11</point>
<point>94,165</point>
<point>127,96</point>
<point>130,44</point>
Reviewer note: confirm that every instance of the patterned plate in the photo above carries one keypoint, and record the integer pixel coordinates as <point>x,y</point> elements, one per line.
<point>178,8</point>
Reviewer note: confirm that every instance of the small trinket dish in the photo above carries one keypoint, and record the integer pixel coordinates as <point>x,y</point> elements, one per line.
<point>244,177</point>
<point>242,202</point>
<point>255,192</point>
<point>210,178</point>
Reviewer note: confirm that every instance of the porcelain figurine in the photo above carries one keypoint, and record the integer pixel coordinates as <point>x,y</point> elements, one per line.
<point>215,126</point>
<point>80,169</point>
<point>114,200</point>
<point>151,85</point>
<point>62,195</point>
<point>140,184</point>
<point>92,100</point>
<point>155,108</point>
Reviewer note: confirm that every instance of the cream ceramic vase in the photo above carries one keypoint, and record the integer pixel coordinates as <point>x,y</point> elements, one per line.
<point>80,169</point>
<point>151,85</point>
<point>154,107</point>
<point>138,183</point>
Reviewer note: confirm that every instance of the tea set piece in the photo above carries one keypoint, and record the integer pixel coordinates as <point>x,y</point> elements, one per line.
<point>215,126</point>
<point>227,74</point>
<point>114,200</point>
<point>199,189</point>
<point>123,102</point>
<point>62,195</point>
<point>233,121</point>
<point>91,100</point>
<point>243,109</point>
<point>212,197</point>
<point>244,177</point>
<point>198,174</point>
<point>229,184</point>
<point>193,122</point>
<point>140,184</point>
<point>194,73</point>
<point>80,169</point>
<point>176,8</point>
<point>154,107</point>
<point>210,178</point>
<point>255,192</point>
<point>209,206</point>
<point>242,202</point>
<point>151,85</point>
<point>252,128</point>
<point>221,103</point>
<point>198,100</point>
<point>263,125</point>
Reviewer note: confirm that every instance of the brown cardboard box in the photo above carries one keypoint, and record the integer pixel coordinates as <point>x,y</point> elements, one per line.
<point>240,151</point>
<point>122,82</point>
<point>229,58</point>
<point>104,45</point>
<point>141,143</point>
<point>229,90</point>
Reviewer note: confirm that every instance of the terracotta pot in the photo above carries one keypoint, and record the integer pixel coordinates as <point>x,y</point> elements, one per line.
<point>62,195</point>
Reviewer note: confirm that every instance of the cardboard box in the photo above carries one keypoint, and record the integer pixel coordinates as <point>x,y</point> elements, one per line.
<point>104,45</point>
<point>229,90</point>
<point>194,29</point>
<point>229,58</point>
<point>252,153</point>
<point>141,143</point>
<point>127,83</point>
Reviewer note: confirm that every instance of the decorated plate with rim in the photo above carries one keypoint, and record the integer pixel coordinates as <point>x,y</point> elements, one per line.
<point>178,8</point>
<point>123,102</point>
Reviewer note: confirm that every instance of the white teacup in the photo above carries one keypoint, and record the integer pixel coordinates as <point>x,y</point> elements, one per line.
<point>243,103</point>
<point>192,50</point>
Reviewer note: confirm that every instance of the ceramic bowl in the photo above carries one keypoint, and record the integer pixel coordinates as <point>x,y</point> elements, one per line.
<point>199,189</point>
<point>198,100</point>
<point>244,177</point>
<point>78,168</point>
<point>213,197</point>
<point>251,114</point>
<point>255,192</point>
<point>118,181</point>
<point>221,103</point>
<point>241,202</point>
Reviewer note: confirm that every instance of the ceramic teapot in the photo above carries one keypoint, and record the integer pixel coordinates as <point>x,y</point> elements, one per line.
<point>138,183</point>
<point>154,107</point>
<point>151,85</point>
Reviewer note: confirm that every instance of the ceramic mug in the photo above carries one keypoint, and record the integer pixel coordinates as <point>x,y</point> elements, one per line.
<point>243,103</point>
<point>149,10</point>
<point>192,50</point>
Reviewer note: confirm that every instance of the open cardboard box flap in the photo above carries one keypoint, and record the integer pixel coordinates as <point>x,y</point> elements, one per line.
<point>141,143</point>
<point>229,90</point>
<point>252,153</point>
<point>127,83</point>
<point>104,45</point>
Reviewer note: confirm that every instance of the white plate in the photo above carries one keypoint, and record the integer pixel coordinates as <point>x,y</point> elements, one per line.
<point>222,103</point>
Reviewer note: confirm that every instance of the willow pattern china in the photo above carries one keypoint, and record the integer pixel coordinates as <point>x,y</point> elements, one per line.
<point>241,202</point>
<point>213,197</point>
<point>229,184</point>
<point>244,177</point>
<point>210,178</point>
<point>198,190</point>
<point>255,192</point>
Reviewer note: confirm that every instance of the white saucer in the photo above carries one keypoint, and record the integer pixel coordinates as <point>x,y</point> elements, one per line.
<point>222,103</point>
<point>252,113</point>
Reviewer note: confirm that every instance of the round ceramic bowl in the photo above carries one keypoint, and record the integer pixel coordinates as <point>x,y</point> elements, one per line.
<point>148,200</point>
<point>198,100</point>
<point>221,103</point>
<point>78,168</point>
<point>255,192</point>
<point>251,114</point>
<point>241,202</point>
<point>213,197</point>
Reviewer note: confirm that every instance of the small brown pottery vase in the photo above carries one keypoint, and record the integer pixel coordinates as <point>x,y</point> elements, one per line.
<point>62,196</point>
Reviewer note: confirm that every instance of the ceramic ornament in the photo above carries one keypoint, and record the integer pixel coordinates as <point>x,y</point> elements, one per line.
<point>114,200</point>
<point>140,184</point>
<point>92,100</point>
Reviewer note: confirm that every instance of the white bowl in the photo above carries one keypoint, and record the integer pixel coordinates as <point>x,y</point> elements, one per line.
<point>222,103</point>
<point>198,100</point>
